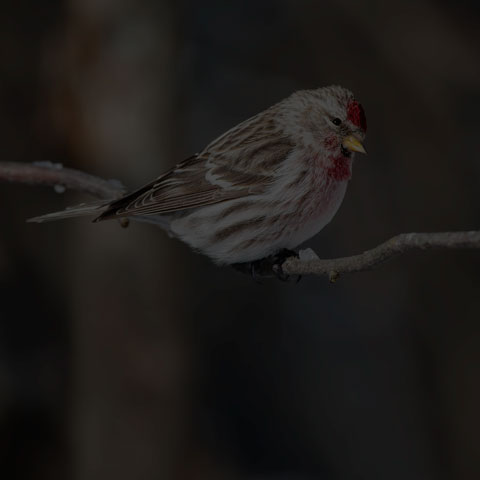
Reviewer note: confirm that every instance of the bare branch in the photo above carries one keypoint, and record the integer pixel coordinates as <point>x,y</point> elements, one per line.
<point>54,174</point>
<point>403,243</point>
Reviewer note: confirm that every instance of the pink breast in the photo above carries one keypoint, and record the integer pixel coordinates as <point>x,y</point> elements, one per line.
<point>340,168</point>
<point>325,183</point>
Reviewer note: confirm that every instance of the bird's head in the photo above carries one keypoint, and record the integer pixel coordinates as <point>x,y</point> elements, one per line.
<point>334,119</point>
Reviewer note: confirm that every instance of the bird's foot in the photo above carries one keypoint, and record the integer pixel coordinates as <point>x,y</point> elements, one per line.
<point>251,268</point>
<point>277,262</point>
<point>269,266</point>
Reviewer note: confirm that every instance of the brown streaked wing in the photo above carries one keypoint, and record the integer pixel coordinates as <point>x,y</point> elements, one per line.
<point>245,169</point>
<point>181,188</point>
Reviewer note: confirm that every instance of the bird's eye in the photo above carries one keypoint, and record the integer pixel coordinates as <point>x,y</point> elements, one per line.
<point>336,121</point>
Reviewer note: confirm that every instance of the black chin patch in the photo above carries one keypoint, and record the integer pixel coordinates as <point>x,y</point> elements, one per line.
<point>345,152</point>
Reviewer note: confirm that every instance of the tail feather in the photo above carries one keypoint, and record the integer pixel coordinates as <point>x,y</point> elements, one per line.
<point>82,210</point>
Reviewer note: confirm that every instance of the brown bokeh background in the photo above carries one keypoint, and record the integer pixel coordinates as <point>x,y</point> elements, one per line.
<point>124,355</point>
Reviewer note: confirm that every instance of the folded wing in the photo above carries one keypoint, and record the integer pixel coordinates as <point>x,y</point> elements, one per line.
<point>240,163</point>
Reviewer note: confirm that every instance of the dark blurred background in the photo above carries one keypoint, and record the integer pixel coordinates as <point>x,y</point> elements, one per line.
<point>124,355</point>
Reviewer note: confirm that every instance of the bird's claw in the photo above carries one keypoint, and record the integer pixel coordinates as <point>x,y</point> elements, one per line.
<point>277,264</point>
<point>268,265</point>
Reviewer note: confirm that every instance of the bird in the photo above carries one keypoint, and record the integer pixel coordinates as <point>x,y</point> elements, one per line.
<point>259,190</point>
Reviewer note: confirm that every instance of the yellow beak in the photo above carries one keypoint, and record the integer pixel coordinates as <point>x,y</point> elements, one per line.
<point>353,144</point>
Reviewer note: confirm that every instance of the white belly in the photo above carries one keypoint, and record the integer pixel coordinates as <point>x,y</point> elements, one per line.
<point>202,228</point>
<point>315,215</point>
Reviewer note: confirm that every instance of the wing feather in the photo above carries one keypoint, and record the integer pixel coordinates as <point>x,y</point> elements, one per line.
<point>240,163</point>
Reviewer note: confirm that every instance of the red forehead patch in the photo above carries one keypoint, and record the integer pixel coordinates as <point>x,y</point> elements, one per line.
<point>356,115</point>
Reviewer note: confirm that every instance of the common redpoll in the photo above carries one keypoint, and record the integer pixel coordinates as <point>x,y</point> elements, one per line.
<point>266,185</point>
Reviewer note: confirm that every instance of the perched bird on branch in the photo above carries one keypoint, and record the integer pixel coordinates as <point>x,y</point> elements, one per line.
<point>259,190</point>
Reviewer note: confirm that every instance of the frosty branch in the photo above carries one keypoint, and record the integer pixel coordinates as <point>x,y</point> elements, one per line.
<point>403,243</point>
<point>55,175</point>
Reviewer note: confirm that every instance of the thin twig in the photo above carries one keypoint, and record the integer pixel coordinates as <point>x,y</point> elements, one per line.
<point>403,243</point>
<point>54,174</point>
